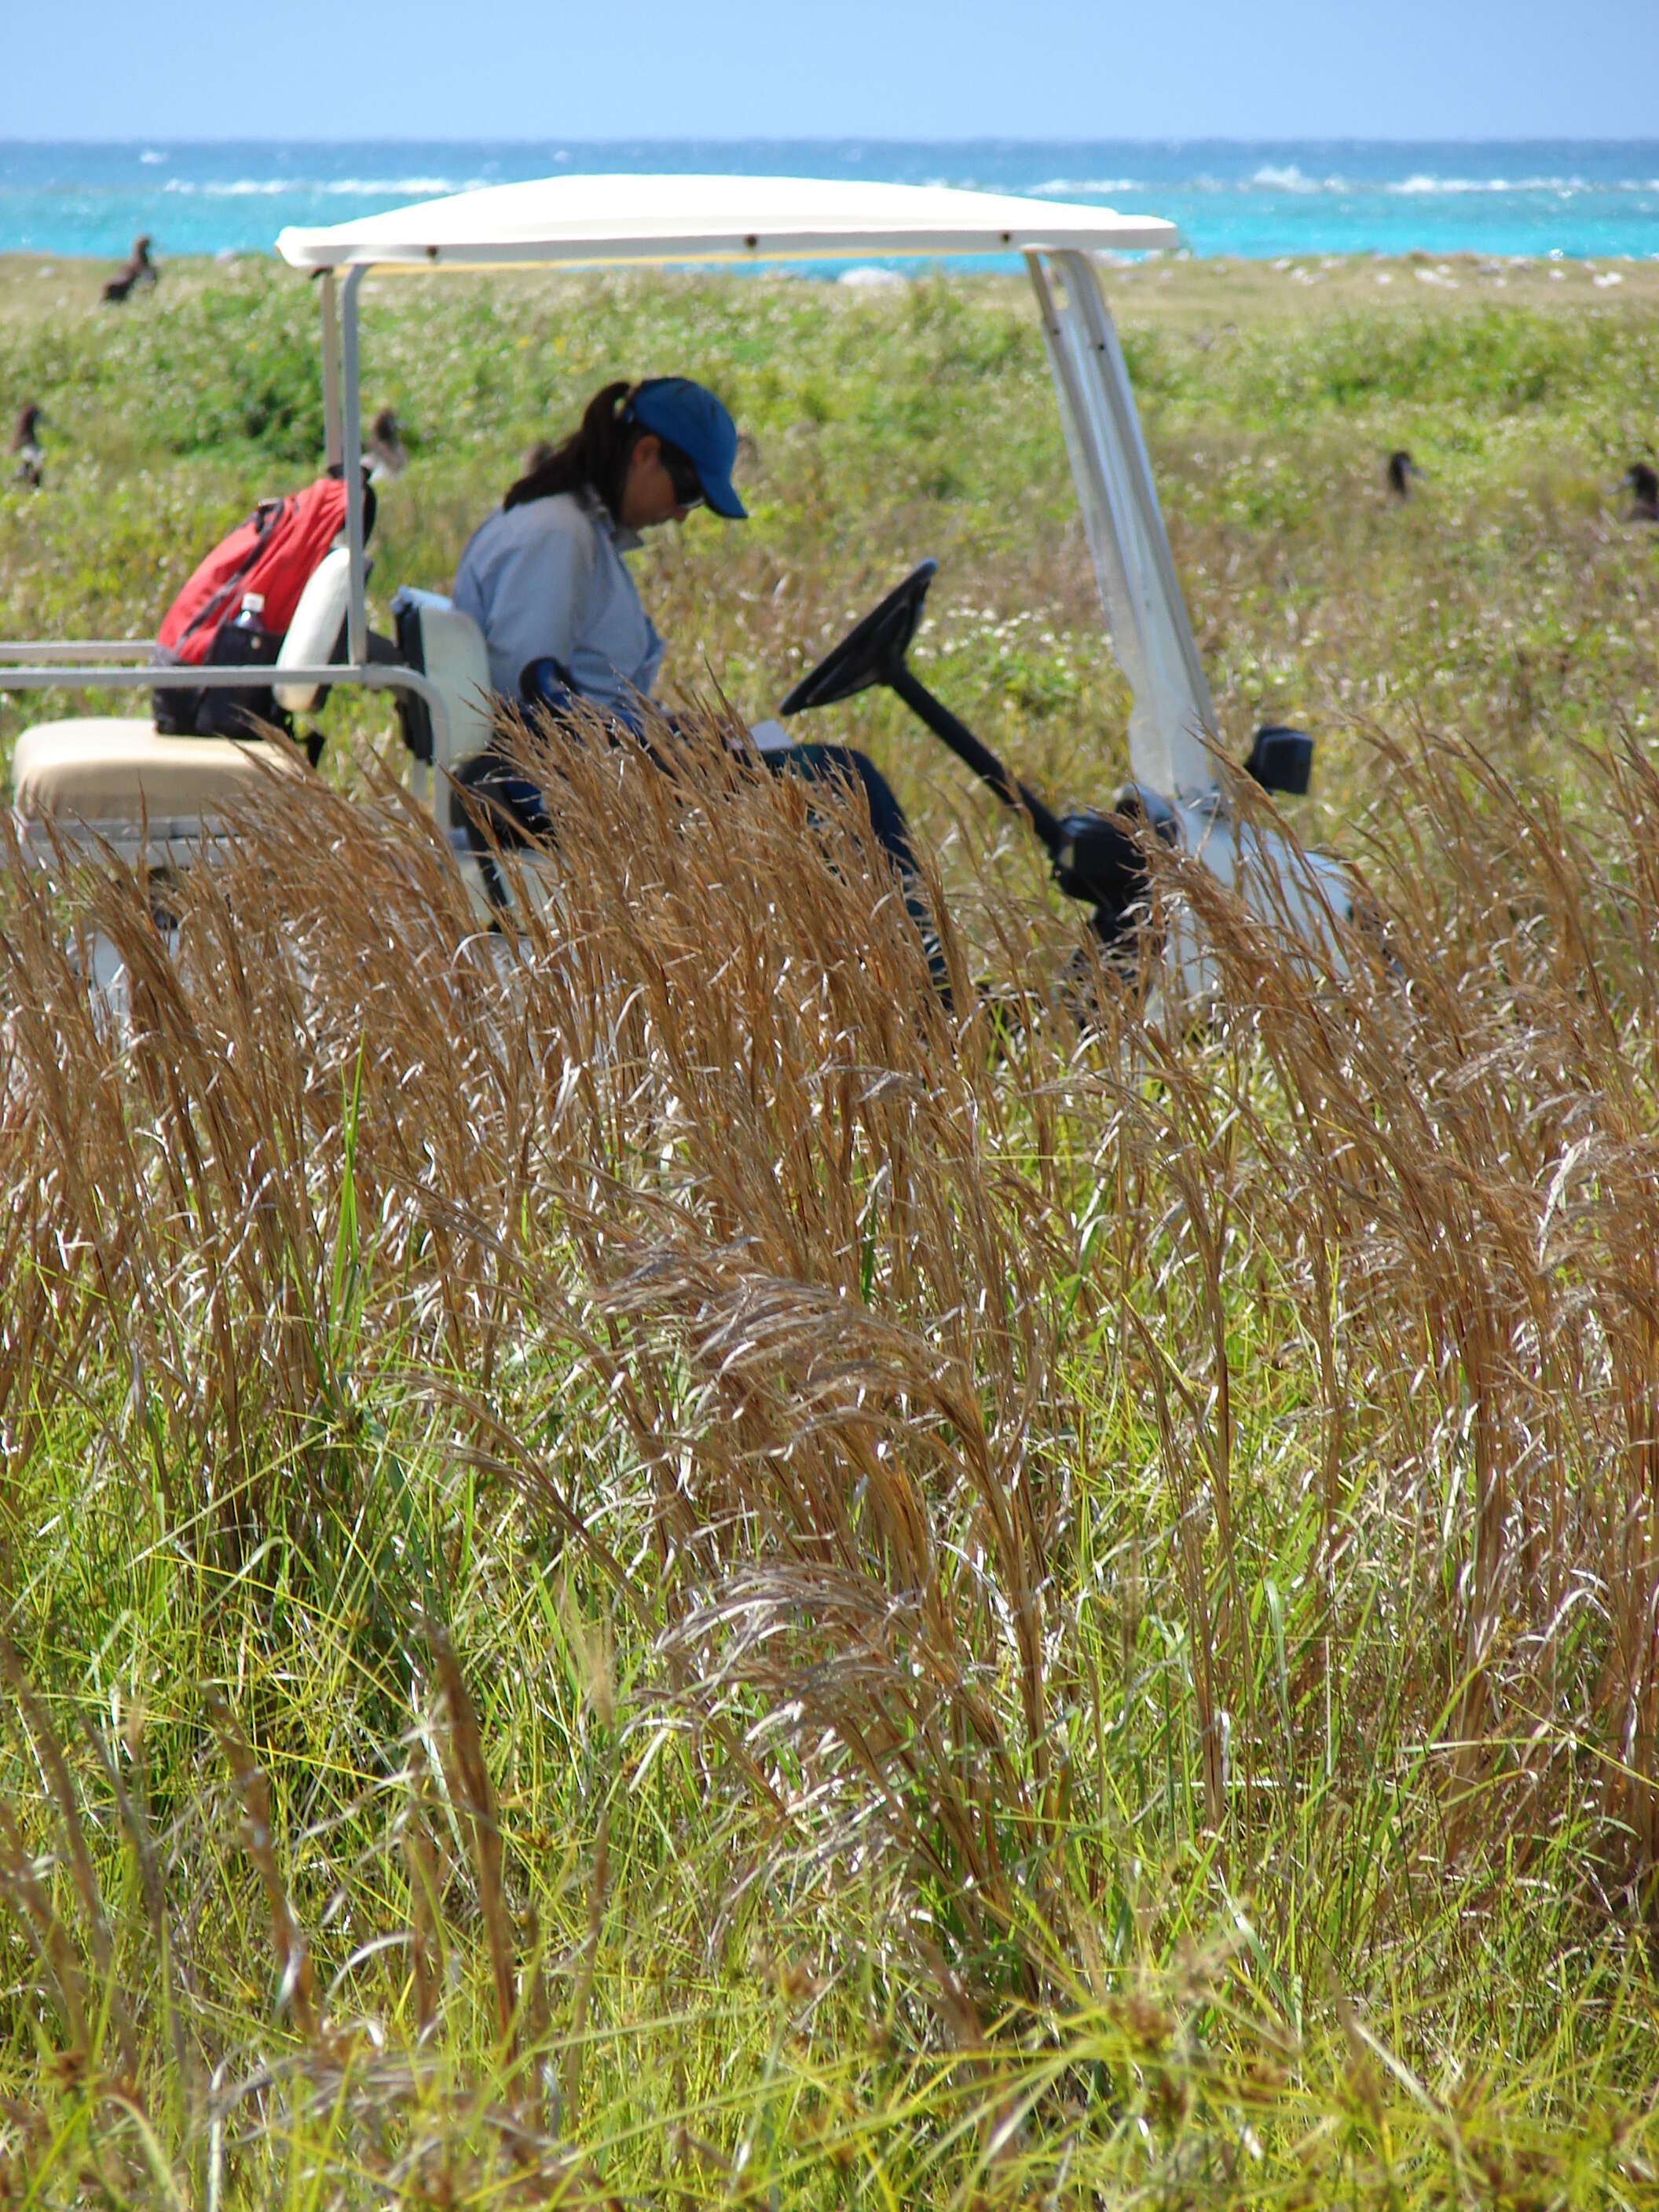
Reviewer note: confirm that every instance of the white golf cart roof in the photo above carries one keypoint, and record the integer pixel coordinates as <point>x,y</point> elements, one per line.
<point>593,221</point>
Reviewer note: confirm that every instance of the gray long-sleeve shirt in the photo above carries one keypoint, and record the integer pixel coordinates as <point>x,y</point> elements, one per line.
<point>548,578</point>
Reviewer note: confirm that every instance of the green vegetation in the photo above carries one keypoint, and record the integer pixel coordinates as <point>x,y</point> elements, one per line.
<point>639,1568</point>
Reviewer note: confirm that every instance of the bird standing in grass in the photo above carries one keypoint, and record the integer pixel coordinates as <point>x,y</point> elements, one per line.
<point>25,444</point>
<point>139,272</point>
<point>385,448</point>
<point>1642,480</point>
<point>1400,469</point>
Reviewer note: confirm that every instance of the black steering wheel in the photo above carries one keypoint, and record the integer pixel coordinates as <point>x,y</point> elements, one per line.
<point>872,651</point>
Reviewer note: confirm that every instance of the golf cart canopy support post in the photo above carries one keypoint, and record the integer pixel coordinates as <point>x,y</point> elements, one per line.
<point>1173,715</point>
<point>351,457</point>
<point>333,428</point>
<point>589,222</point>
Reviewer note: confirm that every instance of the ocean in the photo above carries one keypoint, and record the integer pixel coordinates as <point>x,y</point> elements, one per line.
<point>1589,200</point>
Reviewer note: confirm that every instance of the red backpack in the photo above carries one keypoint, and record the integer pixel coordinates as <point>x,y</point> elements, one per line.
<point>273,554</point>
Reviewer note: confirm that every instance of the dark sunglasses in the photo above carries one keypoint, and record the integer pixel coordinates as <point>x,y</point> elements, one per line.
<point>681,474</point>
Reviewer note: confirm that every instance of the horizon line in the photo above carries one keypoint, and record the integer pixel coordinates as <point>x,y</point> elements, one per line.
<point>842,138</point>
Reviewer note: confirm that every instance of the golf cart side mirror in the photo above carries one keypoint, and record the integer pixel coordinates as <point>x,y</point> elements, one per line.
<point>1281,759</point>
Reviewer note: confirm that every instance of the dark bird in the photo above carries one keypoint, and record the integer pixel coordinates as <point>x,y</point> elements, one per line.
<point>139,272</point>
<point>539,456</point>
<point>25,444</point>
<point>1400,472</point>
<point>1642,480</point>
<point>385,450</point>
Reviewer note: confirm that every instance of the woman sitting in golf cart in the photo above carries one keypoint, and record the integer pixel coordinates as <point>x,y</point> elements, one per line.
<point>544,580</point>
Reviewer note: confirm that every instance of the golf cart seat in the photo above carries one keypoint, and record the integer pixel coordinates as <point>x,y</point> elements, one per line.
<point>102,768</point>
<point>447,648</point>
<point>105,769</point>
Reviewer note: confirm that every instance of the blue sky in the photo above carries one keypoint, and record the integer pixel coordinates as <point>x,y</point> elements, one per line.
<point>745,69</point>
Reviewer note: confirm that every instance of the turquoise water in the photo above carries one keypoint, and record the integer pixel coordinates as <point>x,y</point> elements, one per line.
<point>1590,199</point>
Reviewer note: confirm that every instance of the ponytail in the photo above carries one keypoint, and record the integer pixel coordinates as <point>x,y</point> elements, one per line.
<point>594,456</point>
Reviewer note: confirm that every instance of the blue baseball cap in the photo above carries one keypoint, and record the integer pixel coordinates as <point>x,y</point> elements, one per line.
<point>689,416</point>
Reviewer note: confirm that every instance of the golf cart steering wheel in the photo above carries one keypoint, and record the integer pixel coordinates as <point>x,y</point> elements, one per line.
<point>872,651</point>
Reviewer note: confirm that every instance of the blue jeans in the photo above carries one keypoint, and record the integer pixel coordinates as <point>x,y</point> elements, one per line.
<point>516,811</point>
<point>512,806</point>
<point>840,764</point>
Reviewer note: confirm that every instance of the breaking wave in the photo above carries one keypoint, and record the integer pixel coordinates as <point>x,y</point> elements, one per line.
<point>1290,179</point>
<point>1423,187</point>
<point>1287,177</point>
<point>1066,187</point>
<point>243,188</point>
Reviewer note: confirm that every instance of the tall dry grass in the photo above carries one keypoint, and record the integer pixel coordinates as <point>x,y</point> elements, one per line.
<point>1067,1484</point>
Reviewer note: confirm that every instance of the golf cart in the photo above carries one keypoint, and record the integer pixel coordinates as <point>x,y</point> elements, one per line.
<point>124,782</point>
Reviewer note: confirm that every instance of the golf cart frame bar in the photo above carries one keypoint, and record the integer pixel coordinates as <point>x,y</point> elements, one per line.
<point>1172,726</point>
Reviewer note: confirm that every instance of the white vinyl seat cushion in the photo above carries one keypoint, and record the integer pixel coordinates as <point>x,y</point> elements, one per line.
<point>315,629</point>
<point>453,655</point>
<point>102,768</point>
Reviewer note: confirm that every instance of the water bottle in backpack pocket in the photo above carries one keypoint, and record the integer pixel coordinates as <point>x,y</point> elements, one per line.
<point>244,643</point>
